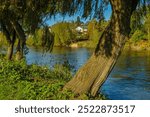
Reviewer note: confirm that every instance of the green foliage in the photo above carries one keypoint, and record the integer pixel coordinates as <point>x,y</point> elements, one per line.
<point>21,81</point>
<point>29,15</point>
<point>42,38</point>
<point>136,20</point>
<point>36,39</point>
<point>32,82</point>
<point>47,39</point>
<point>147,26</point>
<point>138,35</point>
<point>140,28</point>
<point>63,33</point>
<point>95,30</point>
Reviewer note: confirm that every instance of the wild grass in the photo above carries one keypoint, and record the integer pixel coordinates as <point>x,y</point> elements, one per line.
<point>19,81</point>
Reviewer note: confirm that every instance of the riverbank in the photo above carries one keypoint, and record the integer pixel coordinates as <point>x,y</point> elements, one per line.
<point>130,44</point>
<point>84,44</point>
<point>19,81</point>
<point>139,45</point>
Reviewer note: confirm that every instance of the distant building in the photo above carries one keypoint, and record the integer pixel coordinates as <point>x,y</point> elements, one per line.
<point>79,29</point>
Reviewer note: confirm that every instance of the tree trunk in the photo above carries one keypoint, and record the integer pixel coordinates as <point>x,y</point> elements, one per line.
<point>11,46</point>
<point>21,41</point>
<point>9,40</point>
<point>19,53</point>
<point>10,51</point>
<point>94,73</point>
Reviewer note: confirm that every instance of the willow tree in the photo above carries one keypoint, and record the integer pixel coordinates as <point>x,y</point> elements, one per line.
<point>19,18</point>
<point>94,73</point>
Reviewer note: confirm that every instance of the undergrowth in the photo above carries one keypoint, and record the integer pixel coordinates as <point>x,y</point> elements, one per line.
<point>19,81</point>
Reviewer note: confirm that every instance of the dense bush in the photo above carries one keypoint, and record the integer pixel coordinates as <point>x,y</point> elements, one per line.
<point>35,40</point>
<point>140,28</point>
<point>138,35</point>
<point>21,81</point>
<point>95,30</point>
<point>63,33</point>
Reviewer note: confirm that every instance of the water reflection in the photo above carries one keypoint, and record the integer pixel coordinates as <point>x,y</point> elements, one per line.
<point>130,78</point>
<point>76,57</point>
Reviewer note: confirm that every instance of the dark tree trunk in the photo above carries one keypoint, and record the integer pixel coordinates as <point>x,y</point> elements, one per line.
<point>9,40</point>
<point>11,47</point>
<point>9,52</point>
<point>21,41</point>
<point>95,72</point>
<point>19,52</point>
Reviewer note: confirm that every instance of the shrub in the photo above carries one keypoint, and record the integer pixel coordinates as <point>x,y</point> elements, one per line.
<point>31,82</point>
<point>21,81</point>
<point>138,35</point>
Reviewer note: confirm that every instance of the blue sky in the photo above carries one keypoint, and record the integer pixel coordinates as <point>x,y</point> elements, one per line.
<point>59,18</point>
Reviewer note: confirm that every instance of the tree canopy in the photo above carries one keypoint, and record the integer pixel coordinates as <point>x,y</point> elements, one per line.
<point>31,13</point>
<point>19,18</point>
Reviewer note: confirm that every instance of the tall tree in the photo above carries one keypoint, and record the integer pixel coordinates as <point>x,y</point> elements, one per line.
<point>10,23</point>
<point>94,73</point>
<point>21,17</point>
<point>10,40</point>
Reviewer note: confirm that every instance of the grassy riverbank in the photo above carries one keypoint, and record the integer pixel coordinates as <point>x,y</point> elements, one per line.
<point>138,45</point>
<point>21,81</point>
<point>132,44</point>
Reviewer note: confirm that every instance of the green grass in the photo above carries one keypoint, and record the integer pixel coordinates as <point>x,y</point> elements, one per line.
<point>19,81</point>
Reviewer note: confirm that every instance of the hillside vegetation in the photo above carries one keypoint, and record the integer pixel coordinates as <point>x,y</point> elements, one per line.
<point>65,34</point>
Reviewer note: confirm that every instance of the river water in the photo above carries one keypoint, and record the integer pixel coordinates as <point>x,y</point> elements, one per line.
<point>129,80</point>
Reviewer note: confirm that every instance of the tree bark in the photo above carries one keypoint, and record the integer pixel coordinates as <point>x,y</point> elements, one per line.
<point>94,73</point>
<point>10,41</point>
<point>11,47</point>
<point>19,52</point>
<point>21,39</point>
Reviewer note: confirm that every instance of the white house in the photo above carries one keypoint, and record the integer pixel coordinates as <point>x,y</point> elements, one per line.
<point>79,29</point>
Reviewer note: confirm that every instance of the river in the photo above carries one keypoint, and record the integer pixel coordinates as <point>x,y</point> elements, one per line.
<point>129,80</point>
